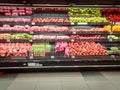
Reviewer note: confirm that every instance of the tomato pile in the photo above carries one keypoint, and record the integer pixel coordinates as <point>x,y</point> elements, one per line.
<point>14,49</point>
<point>86,48</point>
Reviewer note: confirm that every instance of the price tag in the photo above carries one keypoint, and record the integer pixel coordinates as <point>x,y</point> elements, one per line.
<point>74,32</point>
<point>38,64</point>
<point>72,23</point>
<point>31,40</point>
<point>31,64</point>
<point>82,23</point>
<point>110,40</point>
<point>33,23</point>
<point>52,57</point>
<point>117,23</point>
<point>112,56</point>
<point>31,32</point>
<point>72,40</point>
<point>72,56</point>
<point>31,57</point>
<point>111,32</point>
<point>8,40</point>
<point>24,64</point>
<point>111,22</point>
<point>95,60</point>
<point>75,60</point>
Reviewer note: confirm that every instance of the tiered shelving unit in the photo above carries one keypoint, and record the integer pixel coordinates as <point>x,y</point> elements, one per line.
<point>51,58</point>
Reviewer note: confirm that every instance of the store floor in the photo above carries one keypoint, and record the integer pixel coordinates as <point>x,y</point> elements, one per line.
<point>61,81</point>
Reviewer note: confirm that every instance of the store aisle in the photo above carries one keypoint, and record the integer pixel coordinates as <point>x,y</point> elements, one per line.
<point>61,81</point>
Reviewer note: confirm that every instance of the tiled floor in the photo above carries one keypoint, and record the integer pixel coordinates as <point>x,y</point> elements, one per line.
<point>61,81</point>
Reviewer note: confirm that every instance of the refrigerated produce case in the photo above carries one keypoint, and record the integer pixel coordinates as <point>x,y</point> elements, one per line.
<point>59,36</point>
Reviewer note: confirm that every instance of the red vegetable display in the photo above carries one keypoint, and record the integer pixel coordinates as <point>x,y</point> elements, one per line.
<point>87,30</point>
<point>62,47</point>
<point>50,28</point>
<point>112,14</point>
<point>86,37</point>
<point>15,20</point>
<point>86,48</point>
<point>47,37</point>
<point>16,11</point>
<point>50,20</point>
<point>14,49</point>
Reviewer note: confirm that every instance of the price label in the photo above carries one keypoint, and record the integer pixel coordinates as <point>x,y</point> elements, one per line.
<point>8,40</point>
<point>111,22</point>
<point>111,32</point>
<point>52,57</point>
<point>72,56</point>
<point>31,57</point>
<point>72,23</point>
<point>31,64</point>
<point>110,40</point>
<point>33,23</point>
<point>24,64</point>
<point>117,23</point>
<point>75,60</point>
<point>72,40</point>
<point>112,56</point>
<point>95,60</point>
<point>74,32</point>
<point>82,23</point>
<point>31,32</point>
<point>31,40</point>
<point>38,64</point>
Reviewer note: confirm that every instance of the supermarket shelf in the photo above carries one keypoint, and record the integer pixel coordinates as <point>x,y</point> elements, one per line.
<point>14,59</point>
<point>71,23</point>
<point>43,40</point>
<point>93,23</point>
<point>15,23</point>
<point>59,40</point>
<point>25,16</point>
<point>57,5</point>
<point>90,32</point>
<point>115,33</point>
<point>14,41</point>
<point>74,32</point>
<point>12,31</point>
<point>75,58</point>
<point>37,65</point>
<point>50,23</point>
<point>60,62</point>
<point>57,58</point>
<point>63,33</point>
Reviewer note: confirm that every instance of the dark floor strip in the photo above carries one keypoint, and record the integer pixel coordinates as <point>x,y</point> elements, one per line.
<point>93,76</point>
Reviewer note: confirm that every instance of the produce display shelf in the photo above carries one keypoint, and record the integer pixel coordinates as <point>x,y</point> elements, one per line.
<point>13,61</point>
<point>13,64</point>
<point>13,58</point>
<point>58,63</point>
<point>25,16</point>
<point>46,40</point>
<point>73,32</point>
<point>51,23</point>
<point>15,41</point>
<point>12,31</point>
<point>62,33</point>
<point>77,58</point>
<point>15,23</point>
<point>52,55</point>
<point>59,67</point>
<point>61,58</point>
<point>58,40</point>
<point>71,23</point>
